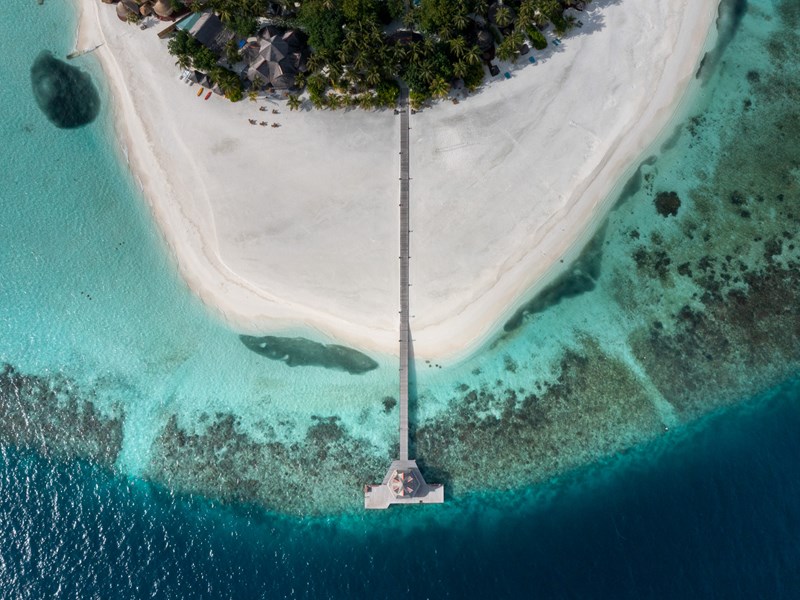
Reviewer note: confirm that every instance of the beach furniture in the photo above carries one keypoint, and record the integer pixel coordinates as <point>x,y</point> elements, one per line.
<point>507,75</point>
<point>208,95</point>
<point>532,59</point>
<point>200,92</point>
<point>557,42</point>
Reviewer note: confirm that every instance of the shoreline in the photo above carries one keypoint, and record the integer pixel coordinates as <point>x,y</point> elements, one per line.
<point>196,212</point>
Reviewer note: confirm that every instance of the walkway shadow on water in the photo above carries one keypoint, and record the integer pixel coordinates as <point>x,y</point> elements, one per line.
<point>430,472</point>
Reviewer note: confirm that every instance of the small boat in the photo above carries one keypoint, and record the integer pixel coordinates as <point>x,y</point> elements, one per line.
<point>208,95</point>
<point>200,92</point>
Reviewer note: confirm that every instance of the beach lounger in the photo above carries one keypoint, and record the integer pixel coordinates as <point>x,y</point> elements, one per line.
<point>557,42</point>
<point>507,75</point>
<point>532,60</point>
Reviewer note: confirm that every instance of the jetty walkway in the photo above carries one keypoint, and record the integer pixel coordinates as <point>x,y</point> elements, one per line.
<point>403,483</point>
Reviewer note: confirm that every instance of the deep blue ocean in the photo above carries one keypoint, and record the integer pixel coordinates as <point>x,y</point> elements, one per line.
<point>711,512</point>
<point>660,460</point>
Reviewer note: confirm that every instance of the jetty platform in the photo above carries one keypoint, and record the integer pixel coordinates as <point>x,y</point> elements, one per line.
<point>403,483</point>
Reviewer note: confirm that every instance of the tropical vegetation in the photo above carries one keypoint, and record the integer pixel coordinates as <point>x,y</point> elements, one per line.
<point>361,50</point>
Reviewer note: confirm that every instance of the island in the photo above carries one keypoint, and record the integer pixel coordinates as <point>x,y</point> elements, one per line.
<point>295,223</point>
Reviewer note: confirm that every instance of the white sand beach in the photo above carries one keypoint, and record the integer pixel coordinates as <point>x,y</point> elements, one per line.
<point>297,226</point>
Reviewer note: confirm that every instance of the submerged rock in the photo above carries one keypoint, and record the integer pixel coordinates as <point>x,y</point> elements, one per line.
<point>65,94</point>
<point>300,352</point>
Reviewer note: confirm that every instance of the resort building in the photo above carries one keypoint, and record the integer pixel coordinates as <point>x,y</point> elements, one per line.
<point>160,8</point>
<point>275,57</point>
<point>210,31</point>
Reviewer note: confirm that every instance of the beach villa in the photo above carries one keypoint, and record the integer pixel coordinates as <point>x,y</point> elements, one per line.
<point>276,57</point>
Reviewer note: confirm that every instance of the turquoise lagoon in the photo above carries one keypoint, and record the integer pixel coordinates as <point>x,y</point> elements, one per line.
<point>663,319</point>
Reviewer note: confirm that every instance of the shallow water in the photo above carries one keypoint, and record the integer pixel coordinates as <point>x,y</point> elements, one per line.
<point>112,360</point>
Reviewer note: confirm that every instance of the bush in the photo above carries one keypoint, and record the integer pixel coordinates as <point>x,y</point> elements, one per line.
<point>473,78</point>
<point>228,82</point>
<point>417,98</point>
<point>387,93</point>
<point>538,41</point>
<point>323,26</point>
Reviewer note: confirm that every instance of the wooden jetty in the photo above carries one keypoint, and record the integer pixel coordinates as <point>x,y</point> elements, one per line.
<point>403,483</point>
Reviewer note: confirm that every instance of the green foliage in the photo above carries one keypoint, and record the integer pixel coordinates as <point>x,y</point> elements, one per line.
<point>507,50</point>
<point>243,26</point>
<point>293,101</point>
<point>439,88</point>
<point>387,93</point>
<point>190,52</point>
<point>359,10</point>
<point>204,59</point>
<point>354,60</point>
<point>232,52</point>
<point>473,77</point>
<point>228,82</point>
<point>537,38</point>
<point>436,16</point>
<point>429,62</point>
<point>417,99</point>
<point>322,24</point>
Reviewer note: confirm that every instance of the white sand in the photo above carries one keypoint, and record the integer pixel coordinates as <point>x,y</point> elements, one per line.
<point>298,226</point>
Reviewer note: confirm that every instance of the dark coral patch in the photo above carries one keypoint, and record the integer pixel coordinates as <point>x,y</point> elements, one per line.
<point>65,94</point>
<point>300,352</point>
<point>667,204</point>
<point>52,417</point>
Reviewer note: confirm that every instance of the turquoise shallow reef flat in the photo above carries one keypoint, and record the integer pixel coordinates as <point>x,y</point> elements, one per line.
<point>686,301</point>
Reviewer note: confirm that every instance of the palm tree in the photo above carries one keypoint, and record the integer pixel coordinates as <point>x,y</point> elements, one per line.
<point>473,55</point>
<point>373,76</point>
<point>459,46</point>
<point>427,71</point>
<point>439,87</point>
<point>460,20</point>
<point>334,101</point>
<point>184,61</point>
<point>460,69</point>
<point>516,38</point>
<point>314,62</point>
<point>293,101</point>
<point>507,49</point>
<point>502,16</point>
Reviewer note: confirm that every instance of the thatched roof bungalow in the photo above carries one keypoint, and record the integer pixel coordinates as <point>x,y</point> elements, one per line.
<point>211,32</point>
<point>163,10</point>
<point>125,8</point>
<point>277,58</point>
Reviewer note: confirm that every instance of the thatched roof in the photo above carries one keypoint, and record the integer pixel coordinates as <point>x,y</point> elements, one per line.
<point>211,32</point>
<point>163,8</point>
<point>281,55</point>
<point>125,8</point>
